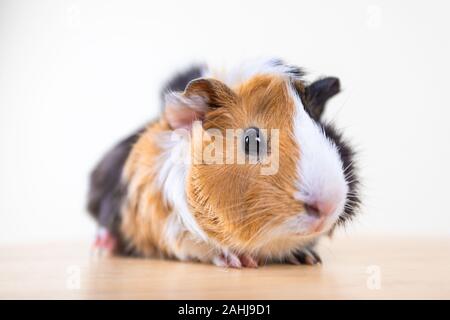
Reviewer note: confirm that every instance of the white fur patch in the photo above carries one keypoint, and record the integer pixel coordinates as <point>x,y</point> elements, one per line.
<point>320,169</point>
<point>173,166</point>
<point>242,72</point>
<point>173,228</point>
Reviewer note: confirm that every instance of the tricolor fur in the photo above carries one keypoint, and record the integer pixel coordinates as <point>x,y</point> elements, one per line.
<point>230,214</point>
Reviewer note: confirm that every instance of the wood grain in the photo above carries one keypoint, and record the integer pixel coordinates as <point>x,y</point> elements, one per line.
<point>408,269</point>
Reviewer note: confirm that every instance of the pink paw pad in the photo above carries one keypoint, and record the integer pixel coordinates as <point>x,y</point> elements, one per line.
<point>105,241</point>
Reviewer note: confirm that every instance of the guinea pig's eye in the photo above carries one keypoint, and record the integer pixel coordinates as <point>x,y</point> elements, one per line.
<point>252,141</point>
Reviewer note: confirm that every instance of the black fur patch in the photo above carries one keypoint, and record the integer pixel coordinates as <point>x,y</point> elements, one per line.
<point>295,71</point>
<point>318,93</point>
<point>180,81</point>
<point>107,190</point>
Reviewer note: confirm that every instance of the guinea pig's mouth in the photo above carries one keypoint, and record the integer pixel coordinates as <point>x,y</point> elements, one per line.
<point>312,224</point>
<point>317,227</point>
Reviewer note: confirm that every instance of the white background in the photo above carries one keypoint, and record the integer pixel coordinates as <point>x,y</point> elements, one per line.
<point>76,76</point>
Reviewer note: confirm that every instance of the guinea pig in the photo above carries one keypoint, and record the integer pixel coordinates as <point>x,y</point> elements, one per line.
<point>174,188</point>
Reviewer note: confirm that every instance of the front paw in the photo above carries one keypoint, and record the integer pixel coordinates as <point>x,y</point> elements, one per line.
<point>305,256</point>
<point>231,260</point>
<point>105,243</point>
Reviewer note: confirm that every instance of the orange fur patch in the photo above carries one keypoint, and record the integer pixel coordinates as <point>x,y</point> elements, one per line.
<point>144,213</point>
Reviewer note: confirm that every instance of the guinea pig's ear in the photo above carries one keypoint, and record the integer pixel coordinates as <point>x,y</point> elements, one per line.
<point>200,96</point>
<point>317,94</point>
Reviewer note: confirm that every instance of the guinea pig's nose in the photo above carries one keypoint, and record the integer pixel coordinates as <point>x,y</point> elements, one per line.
<point>319,209</point>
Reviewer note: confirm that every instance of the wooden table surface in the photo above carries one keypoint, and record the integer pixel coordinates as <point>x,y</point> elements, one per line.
<point>354,268</point>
